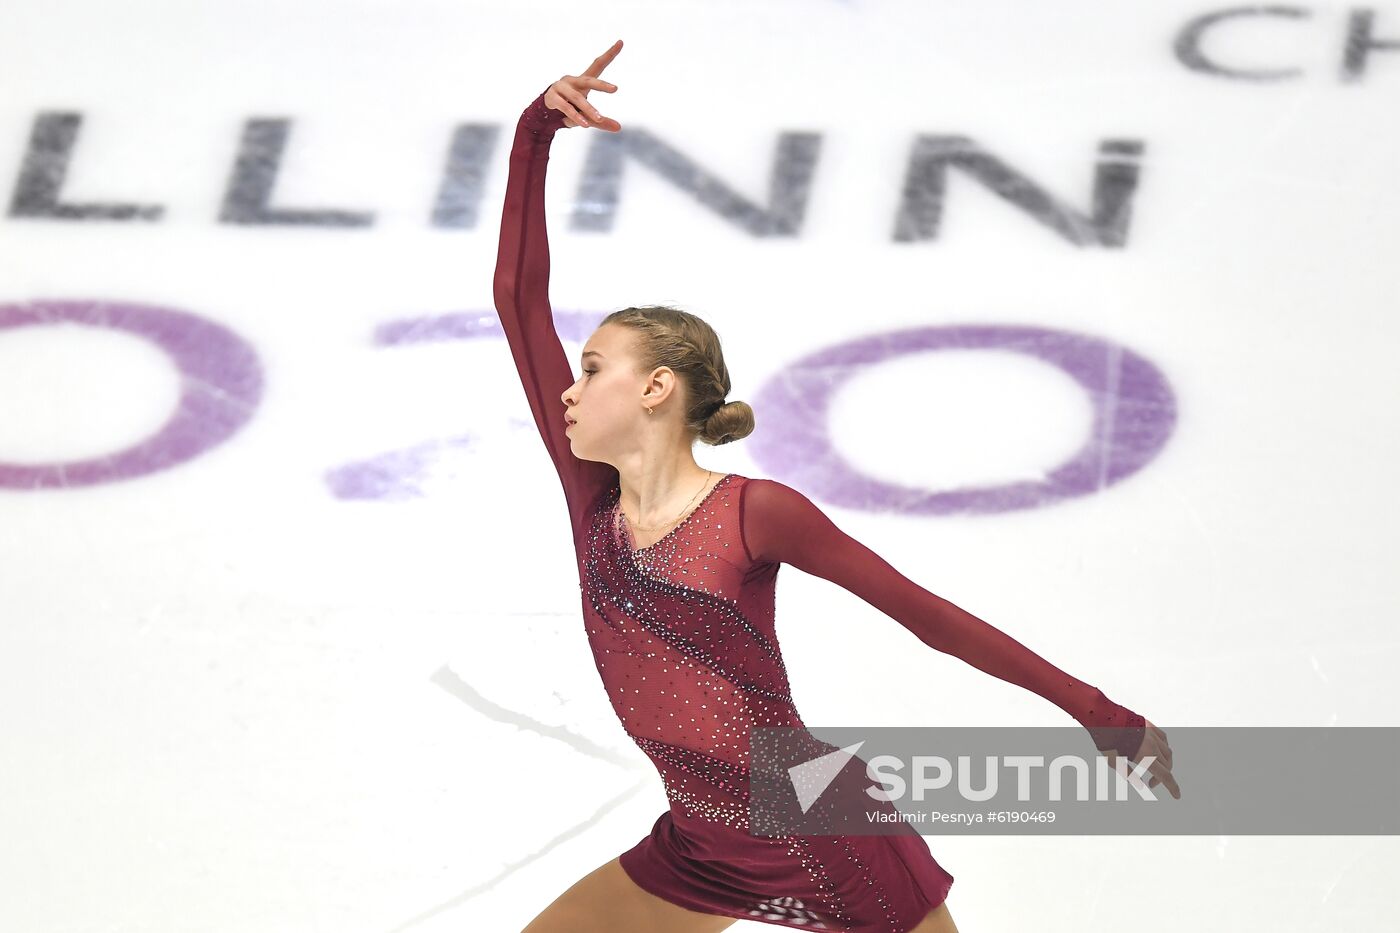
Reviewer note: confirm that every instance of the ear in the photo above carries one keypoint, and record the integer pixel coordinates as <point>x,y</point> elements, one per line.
<point>660,385</point>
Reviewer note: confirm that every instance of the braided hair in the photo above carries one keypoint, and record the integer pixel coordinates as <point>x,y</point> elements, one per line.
<point>690,347</point>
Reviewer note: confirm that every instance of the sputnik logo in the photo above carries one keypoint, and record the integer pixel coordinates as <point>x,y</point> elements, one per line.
<point>811,778</point>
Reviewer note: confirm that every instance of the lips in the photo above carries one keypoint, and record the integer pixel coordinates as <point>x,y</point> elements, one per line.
<point>568,420</point>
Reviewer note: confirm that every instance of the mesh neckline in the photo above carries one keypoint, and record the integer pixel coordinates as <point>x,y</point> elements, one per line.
<point>627,531</point>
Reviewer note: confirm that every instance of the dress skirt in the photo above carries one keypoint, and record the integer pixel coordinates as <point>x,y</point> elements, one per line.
<point>867,883</point>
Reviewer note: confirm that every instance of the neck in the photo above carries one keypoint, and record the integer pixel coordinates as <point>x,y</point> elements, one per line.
<point>653,492</point>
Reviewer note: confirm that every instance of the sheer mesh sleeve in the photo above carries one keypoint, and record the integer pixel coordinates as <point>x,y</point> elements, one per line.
<point>522,302</point>
<point>779,524</point>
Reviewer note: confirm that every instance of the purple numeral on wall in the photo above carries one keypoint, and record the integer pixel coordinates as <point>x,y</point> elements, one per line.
<point>1133,405</point>
<point>221,385</point>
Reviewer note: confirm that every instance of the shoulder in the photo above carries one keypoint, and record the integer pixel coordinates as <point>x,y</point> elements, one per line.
<point>774,517</point>
<point>757,490</point>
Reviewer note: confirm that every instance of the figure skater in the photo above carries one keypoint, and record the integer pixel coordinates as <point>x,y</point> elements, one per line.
<point>677,566</point>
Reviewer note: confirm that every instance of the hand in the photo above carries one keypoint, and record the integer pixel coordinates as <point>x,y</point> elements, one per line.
<point>569,95</point>
<point>1154,742</point>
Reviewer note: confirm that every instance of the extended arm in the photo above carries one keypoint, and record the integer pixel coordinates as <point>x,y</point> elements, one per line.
<point>780,524</point>
<point>522,301</point>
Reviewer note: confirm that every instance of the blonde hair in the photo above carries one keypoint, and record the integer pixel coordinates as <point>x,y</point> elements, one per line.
<point>690,347</point>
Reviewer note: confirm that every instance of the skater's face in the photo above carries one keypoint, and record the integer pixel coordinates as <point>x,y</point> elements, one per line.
<point>609,400</point>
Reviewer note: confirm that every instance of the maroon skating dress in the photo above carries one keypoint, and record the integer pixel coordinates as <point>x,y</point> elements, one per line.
<point>682,632</point>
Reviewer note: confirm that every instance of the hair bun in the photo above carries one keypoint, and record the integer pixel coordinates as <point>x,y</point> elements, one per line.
<point>730,421</point>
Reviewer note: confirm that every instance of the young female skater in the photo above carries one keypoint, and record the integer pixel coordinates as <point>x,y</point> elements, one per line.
<point>677,567</point>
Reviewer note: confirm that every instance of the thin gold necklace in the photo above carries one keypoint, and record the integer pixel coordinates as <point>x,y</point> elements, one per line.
<point>708,474</point>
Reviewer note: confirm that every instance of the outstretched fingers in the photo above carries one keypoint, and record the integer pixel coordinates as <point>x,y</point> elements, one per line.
<point>583,110</point>
<point>575,106</point>
<point>582,105</point>
<point>602,61</point>
<point>1161,774</point>
<point>1161,768</point>
<point>572,93</point>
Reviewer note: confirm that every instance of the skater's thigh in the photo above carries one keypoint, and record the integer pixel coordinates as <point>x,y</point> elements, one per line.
<point>606,900</point>
<point>937,920</point>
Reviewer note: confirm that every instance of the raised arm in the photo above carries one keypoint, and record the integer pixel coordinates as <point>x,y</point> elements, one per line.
<point>522,302</point>
<point>780,524</point>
